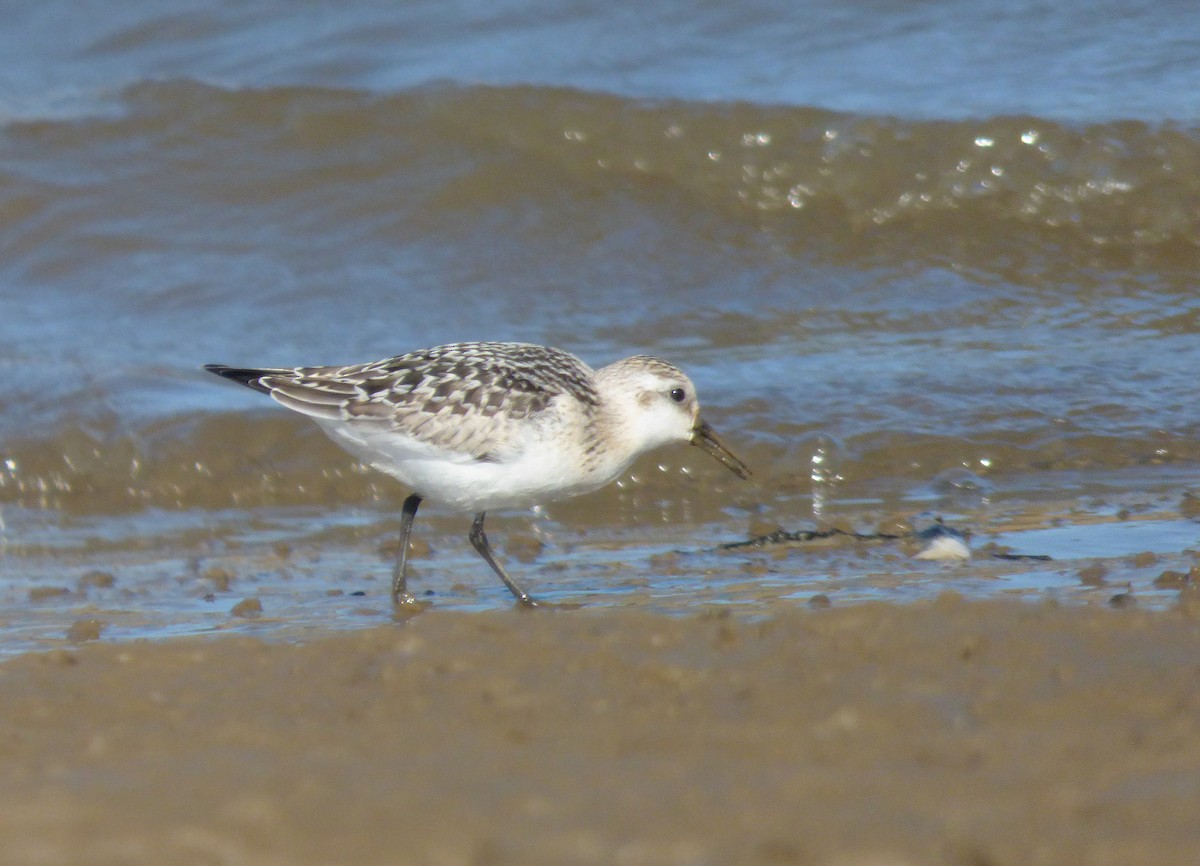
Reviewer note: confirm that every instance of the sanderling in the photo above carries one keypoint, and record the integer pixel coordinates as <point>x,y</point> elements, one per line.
<point>481,426</point>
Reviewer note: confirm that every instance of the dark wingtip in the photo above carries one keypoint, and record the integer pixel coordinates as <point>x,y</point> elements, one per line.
<point>242,375</point>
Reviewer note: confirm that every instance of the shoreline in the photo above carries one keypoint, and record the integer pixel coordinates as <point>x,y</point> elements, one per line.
<point>943,731</point>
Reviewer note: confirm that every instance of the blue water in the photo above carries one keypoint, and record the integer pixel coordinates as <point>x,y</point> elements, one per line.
<point>1072,61</point>
<point>916,237</point>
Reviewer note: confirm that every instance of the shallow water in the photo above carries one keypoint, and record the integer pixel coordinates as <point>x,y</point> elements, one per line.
<point>308,571</point>
<point>916,257</point>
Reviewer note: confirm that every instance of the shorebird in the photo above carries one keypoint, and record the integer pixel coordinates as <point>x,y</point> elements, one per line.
<point>482,426</point>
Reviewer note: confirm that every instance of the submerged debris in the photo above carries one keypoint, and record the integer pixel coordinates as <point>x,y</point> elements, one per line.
<point>945,549</point>
<point>1175,579</point>
<point>937,541</point>
<point>84,630</point>
<point>45,593</point>
<point>221,577</point>
<point>943,544</point>
<point>247,608</point>
<point>97,579</point>
<point>782,537</point>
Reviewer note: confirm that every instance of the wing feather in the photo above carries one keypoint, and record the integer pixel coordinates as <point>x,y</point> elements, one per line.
<point>464,397</point>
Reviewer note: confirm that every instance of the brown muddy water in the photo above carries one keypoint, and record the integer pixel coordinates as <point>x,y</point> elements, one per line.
<point>988,320</point>
<point>933,267</point>
<point>921,294</point>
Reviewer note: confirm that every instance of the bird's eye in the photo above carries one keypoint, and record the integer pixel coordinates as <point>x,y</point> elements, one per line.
<point>678,395</point>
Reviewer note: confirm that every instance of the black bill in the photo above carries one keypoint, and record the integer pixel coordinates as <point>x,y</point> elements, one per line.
<point>707,441</point>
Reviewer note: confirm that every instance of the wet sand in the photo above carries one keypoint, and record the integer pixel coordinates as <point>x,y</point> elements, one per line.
<point>946,731</point>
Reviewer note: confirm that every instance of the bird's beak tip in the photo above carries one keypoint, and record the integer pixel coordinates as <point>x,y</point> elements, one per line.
<point>707,441</point>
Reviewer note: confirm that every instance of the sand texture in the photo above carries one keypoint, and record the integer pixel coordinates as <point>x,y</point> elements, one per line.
<point>974,733</point>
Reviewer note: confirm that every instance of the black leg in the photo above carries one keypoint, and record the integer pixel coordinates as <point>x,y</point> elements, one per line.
<point>399,570</point>
<point>480,543</point>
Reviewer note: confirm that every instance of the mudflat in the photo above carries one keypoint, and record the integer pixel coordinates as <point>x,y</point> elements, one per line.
<point>945,731</point>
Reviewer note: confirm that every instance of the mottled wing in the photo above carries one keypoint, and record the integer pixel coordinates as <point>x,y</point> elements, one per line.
<point>465,398</point>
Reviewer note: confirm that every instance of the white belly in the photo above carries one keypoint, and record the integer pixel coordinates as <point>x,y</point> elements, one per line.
<point>543,471</point>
